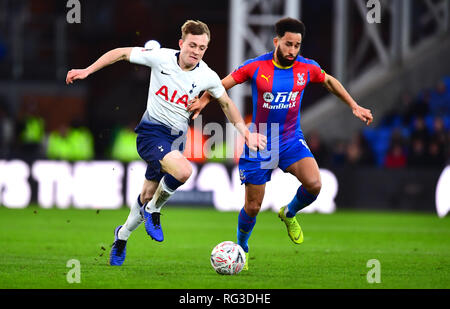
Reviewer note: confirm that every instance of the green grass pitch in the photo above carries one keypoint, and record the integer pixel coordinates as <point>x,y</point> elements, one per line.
<point>413,250</point>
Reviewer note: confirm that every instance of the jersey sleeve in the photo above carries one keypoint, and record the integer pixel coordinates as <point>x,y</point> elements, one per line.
<point>244,72</point>
<point>140,55</point>
<point>316,74</point>
<point>215,87</point>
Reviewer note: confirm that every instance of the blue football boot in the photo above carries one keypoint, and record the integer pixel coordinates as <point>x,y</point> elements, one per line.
<point>152,224</point>
<point>118,250</point>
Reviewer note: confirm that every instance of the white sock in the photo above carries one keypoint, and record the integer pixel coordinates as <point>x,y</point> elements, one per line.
<point>133,221</point>
<point>161,196</point>
<point>286,210</point>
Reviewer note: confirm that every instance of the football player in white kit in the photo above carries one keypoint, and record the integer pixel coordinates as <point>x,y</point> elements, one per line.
<point>177,78</point>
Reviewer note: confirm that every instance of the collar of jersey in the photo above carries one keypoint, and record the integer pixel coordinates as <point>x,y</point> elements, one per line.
<point>178,57</point>
<point>281,67</point>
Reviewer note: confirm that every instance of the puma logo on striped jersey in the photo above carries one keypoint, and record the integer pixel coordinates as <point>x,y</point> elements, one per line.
<point>266,77</point>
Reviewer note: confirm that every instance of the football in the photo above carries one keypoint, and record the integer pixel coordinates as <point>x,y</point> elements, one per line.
<point>228,258</point>
<point>152,44</point>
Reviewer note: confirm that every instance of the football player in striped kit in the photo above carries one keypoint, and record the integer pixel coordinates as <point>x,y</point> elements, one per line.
<point>278,81</point>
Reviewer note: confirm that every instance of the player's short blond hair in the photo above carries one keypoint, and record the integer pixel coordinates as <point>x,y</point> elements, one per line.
<point>194,27</point>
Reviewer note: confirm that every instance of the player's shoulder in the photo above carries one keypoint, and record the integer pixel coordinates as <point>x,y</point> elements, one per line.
<point>203,67</point>
<point>264,57</point>
<point>257,60</point>
<point>306,61</point>
<point>157,53</point>
<point>168,52</point>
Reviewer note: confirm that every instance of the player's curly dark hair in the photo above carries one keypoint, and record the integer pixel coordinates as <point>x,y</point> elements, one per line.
<point>289,24</point>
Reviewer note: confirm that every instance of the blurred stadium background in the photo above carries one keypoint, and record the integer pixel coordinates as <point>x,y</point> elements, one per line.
<point>63,146</point>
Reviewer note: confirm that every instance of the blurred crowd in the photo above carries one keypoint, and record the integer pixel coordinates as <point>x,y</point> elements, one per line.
<point>414,133</point>
<point>29,137</point>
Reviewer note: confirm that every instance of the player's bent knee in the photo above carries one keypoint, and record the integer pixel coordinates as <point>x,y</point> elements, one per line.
<point>183,174</point>
<point>313,187</point>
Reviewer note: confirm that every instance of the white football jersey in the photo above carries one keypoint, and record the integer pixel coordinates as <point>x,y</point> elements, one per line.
<point>171,88</point>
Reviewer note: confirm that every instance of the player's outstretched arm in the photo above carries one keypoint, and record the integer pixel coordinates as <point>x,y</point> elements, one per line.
<point>254,141</point>
<point>335,87</point>
<point>196,106</point>
<point>106,59</point>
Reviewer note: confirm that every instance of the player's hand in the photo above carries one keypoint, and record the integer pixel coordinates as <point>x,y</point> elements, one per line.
<point>363,113</point>
<point>196,105</point>
<point>73,75</point>
<point>256,141</point>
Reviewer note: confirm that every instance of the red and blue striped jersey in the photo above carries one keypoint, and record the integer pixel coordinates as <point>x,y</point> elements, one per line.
<point>277,93</point>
